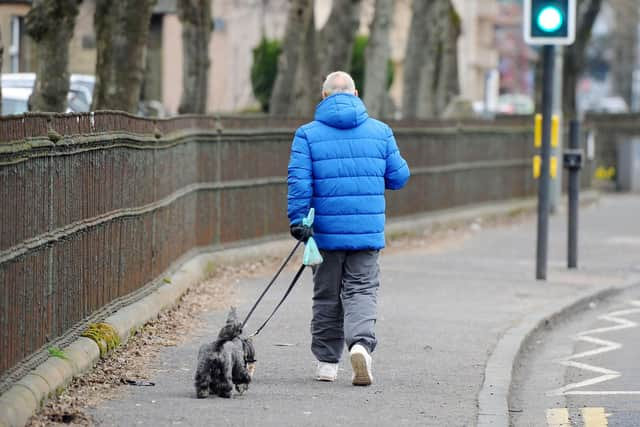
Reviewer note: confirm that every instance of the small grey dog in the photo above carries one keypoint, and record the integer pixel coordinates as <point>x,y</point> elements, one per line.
<point>228,361</point>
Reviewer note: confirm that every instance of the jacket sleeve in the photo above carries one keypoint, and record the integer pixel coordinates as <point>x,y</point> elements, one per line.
<point>397,171</point>
<point>299,179</point>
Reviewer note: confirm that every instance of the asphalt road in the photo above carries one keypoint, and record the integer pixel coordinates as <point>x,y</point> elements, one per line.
<point>584,370</point>
<point>442,309</point>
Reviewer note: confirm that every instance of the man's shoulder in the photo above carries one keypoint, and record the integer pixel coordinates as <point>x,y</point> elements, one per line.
<point>370,126</point>
<point>379,125</point>
<point>310,125</point>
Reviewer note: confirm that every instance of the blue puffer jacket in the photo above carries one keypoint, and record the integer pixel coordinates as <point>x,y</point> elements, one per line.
<point>341,164</point>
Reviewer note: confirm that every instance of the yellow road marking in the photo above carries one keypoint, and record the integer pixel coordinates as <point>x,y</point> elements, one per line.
<point>594,417</point>
<point>558,417</point>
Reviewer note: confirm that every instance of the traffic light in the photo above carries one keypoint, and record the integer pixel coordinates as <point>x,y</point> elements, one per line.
<point>549,22</point>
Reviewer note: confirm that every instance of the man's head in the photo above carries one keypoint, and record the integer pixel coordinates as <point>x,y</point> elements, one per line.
<point>338,82</point>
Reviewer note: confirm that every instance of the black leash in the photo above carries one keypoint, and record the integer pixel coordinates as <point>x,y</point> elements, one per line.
<point>284,297</point>
<point>286,261</point>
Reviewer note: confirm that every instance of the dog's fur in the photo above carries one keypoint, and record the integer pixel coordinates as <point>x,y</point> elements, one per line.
<point>228,360</point>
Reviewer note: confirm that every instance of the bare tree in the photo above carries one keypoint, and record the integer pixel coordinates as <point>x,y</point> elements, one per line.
<point>298,19</point>
<point>377,56</point>
<point>122,29</point>
<point>50,24</point>
<point>431,69</point>
<point>448,83</point>
<point>336,38</point>
<point>308,78</point>
<point>625,46</point>
<point>308,55</point>
<point>195,16</point>
<point>574,55</point>
<point>416,55</point>
<point>327,50</point>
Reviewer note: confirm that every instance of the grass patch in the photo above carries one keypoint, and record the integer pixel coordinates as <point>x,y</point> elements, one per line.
<point>57,352</point>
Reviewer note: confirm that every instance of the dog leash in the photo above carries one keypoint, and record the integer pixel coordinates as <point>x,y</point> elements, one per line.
<point>284,297</point>
<point>311,256</point>
<point>286,261</point>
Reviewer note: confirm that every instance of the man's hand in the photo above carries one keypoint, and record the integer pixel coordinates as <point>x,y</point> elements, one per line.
<point>301,232</point>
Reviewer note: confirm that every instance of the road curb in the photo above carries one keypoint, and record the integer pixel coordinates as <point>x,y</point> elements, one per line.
<point>28,395</point>
<point>493,398</point>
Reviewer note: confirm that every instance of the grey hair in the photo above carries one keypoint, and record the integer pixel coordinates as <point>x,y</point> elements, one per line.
<point>338,82</point>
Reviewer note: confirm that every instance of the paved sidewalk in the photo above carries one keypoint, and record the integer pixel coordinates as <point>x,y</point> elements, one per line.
<point>442,313</point>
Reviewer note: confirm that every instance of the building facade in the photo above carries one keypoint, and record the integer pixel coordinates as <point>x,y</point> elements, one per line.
<point>17,54</point>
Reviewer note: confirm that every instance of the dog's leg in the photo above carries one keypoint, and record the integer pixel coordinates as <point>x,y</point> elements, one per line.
<point>203,377</point>
<point>241,376</point>
<point>226,385</point>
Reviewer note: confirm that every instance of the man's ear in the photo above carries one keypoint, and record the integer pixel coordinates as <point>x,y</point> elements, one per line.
<point>324,94</point>
<point>355,92</point>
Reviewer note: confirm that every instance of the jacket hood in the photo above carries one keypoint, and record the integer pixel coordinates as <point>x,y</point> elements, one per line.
<point>342,111</point>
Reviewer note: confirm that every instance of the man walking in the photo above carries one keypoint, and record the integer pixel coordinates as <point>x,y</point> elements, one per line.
<point>341,164</point>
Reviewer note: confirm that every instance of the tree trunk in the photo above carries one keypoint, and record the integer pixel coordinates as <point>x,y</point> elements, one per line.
<point>416,56</point>
<point>324,52</point>
<point>431,72</point>
<point>50,24</point>
<point>625,46</point>
<point>195,16</point>
<point>574,55</point>
<point>308,81</point>
<point>377,56</point>
<point>337,36</point>
<point>448,84</point>
<point>122,29</point>
<point>299,17</point>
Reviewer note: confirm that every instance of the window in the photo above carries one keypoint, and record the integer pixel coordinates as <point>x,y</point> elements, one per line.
<point>14,47</point>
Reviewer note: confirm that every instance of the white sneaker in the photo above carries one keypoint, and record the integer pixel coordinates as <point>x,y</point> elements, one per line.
<point>361,364</point>
<point>327,371</point>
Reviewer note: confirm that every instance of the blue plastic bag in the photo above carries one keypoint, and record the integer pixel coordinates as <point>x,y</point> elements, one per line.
<point>311,254</point>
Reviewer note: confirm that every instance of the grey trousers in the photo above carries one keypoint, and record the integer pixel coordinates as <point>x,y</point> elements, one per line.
<point>345,288</point>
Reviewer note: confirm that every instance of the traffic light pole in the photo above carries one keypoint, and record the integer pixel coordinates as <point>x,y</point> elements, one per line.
<point>548,53</point>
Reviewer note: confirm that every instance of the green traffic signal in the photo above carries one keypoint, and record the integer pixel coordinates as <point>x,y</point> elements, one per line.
<point>550,19</point>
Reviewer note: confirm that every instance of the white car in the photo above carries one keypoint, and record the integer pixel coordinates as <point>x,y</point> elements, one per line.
<point>15,100</point>
<point>80,88</point>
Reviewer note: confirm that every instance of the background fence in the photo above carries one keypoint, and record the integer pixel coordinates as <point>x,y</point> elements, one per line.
<point>96,208</point>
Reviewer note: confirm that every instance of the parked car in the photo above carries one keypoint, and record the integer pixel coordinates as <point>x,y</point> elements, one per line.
<point>515,103</point>
<point>15,100</point>
<point>80,89</point>
<point>80,95</point>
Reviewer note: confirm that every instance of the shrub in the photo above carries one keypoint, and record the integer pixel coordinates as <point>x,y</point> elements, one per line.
<point>264,70</point>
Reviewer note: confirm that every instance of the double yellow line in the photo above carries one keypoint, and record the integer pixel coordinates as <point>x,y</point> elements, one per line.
<point>591,417</point>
